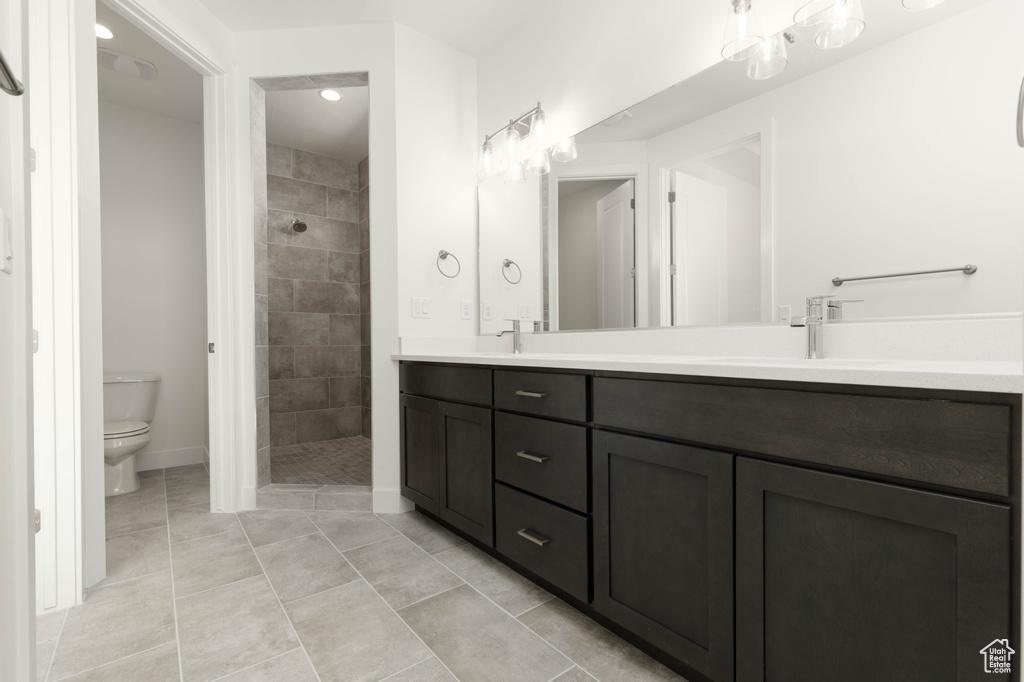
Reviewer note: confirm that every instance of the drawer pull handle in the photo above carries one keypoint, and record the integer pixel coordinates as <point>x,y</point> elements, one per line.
<point>533,458</point>
<point>533,538</point>
<point>531,394</point>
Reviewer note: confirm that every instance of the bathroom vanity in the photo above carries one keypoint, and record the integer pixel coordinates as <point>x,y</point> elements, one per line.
<point>740,529</point>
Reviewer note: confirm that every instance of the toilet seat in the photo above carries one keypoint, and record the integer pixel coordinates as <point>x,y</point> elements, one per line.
<point>115,430</point>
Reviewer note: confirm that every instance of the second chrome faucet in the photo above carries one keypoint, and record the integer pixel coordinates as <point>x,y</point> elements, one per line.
<point>815,318</point>
<point>516,343</point>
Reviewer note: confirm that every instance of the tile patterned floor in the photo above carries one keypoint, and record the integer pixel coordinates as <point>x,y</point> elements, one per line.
<point>345,461</point>
<point>312,596</point>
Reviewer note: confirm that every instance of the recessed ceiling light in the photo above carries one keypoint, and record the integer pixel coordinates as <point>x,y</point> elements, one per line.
<point>330,95</point>
<point>103,32</point>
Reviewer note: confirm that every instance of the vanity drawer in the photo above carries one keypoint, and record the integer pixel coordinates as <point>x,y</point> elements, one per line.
<point>942,442</point>
<point>447,382</point>
<point>561,476</point>
<point>544,539</point>
<point>562,396</point>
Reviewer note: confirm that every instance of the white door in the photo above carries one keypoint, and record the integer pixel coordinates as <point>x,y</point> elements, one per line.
<point>17,604</point>
<point>700,285</point>
<point>617,292</point>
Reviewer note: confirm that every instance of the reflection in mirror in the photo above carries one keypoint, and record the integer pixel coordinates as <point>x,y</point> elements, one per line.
<point>894,153</point>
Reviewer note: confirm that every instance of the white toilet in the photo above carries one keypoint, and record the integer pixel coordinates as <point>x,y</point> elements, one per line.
<point>129,401</point>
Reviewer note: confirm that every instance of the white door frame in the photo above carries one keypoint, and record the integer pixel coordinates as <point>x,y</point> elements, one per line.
<point>637,172</point>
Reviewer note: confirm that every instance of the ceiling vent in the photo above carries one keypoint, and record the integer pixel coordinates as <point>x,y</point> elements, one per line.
<point>126,64</point>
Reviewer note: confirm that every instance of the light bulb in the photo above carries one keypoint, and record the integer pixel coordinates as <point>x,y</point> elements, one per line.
<point>330,95</point>
<point>540,162</point>
<point>742,32</point>
<point>103,32</point>
<point>564,151</point>
<point>770,60</point>
<point>915,5</point>
<point>486,158</point>
<point>512,138</point>
<point>844,28</point>
<point>537,130</point>
<point>817,12</point>
<point>515,174</point>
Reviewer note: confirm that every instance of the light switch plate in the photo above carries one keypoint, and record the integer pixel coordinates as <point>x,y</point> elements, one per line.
<point>488,310</point>
<point>421,307</point>
<point>466,309</point>
<point>525,311</point>
<point>784,313</point>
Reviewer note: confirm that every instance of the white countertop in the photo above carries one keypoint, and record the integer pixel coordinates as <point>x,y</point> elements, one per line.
<point>1000,376</point>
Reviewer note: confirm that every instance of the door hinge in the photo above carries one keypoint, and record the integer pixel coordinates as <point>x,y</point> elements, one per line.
<point>632,203</point>
<point>632,273</point>
<point>211,346</point>
<point>672,270</point>
<point>39,521</point>
<point>671,197</point>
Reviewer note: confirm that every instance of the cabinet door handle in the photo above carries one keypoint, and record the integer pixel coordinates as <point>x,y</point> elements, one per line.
<point>533,458</point>
<point>1020,116</point>
<point>531,394</point>
<point>523,533</point>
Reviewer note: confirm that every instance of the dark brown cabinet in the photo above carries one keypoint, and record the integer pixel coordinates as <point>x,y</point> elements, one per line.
<point>663,551</point>
<point>421,475</point>
<point>852,580</point>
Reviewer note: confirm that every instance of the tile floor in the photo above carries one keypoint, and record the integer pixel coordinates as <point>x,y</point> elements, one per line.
<point>302,596</point>
<point>345,461</point>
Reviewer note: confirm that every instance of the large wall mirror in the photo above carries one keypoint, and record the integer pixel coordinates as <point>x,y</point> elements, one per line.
<point>726,199</point>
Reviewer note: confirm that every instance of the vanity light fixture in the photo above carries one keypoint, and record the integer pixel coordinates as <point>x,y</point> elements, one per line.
<point>915,5</point>
<point>486,158</point>
<point>540,162</point>
<point>770,59</point>
<point>330,95</point>
<point>104,33</point>
<point>515,175</point>
<point>843,28</point>
<point>512,138</point>
<point>817,12</point>
<point>531,128</point>
<point>565,151</point>
<point>742,31</point>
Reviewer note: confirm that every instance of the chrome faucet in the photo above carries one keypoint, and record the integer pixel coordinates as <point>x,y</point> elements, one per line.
<point>516,343</point>
<point>835,307</point>
<point>813,320</point>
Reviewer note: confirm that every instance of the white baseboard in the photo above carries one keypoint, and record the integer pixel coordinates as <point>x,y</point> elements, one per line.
<point>147,461</point>
<point>390,501</point>
<point>248,501</point>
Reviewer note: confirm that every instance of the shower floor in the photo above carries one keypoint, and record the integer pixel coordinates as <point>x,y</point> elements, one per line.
<point>345,461</point>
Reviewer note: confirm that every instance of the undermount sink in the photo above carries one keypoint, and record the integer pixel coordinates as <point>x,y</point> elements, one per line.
<point>802,362</point>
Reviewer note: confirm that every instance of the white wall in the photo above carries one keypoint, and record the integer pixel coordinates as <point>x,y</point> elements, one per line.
<point>154,270</point>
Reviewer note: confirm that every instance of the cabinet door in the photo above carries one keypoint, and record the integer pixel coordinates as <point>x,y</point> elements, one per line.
<point>851,580</point>
<point>420,468</point>
<point>467,470</point>
<point>663,547</point>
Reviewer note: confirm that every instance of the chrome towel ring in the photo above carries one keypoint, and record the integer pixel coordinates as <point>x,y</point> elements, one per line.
<point>443,255</point>
<point>506,266</point>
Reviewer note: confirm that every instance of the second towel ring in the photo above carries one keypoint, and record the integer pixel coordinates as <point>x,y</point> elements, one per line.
<point>505,265</point>
<point>443,255</point>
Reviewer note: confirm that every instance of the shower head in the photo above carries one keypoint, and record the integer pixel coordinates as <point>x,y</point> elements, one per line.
<point>298,225</point>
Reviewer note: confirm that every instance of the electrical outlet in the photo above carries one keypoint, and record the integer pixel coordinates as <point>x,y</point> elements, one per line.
<point>488,309</point>
<point>466,310</point>
<point>784,313</point>
<point>525,311</point>
<point>421,307</point>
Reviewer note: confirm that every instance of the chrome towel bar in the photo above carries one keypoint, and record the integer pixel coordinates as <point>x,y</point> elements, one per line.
<point>966,269</point>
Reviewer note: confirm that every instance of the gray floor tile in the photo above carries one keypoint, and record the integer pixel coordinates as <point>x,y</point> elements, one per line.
<point>348,531</point>
<point>595,649</point>
<point>291,667</point>
<point>480,642</point>
<point>285,500</point>
<point>188,492</point>
<point>430,670</point>
<point>114,622</point>
<point>44,654</point>
<point>136,554</point>
<point>353,502</point>
<point>186,473</point>
<point>265,527</point>
<point>424,532</point>
<point>155,665</point>
<point>345,489</point>
<point>401,572</point>
<point>350,634</point>
<point>142,513</point>
<point>205,563</point>
<point>48,624</point>
<point>189,523</point>
<point>495,580</point>
<point>230,628</point>
<point>304,566</point>
<point>577,674</point>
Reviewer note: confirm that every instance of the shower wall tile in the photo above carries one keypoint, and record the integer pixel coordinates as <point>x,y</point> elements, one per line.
<point>282,295</point>
<point>326,297</point>
<point>364,297</point>
<point>340,80</point>
<point>279,160</point>
<point>263,423</point>
<point>297,395</point>
<point>285,194</point>
<point>321,233</point>
<point>364,234</point>
<point>364,266</point>
<point>364,202</point>
<point>367,422</point>
<point>344,267</point>
<point>345,330</point>
<point>365,360</point>
<point>282,362</point>
<point>261,320</point>
<point>343,205</point>
<point>363,170</point>
<point>326,361</point>
<point>257,111</point>
<point>322,170</point>
<point>365,392</point>
<point>282,429</point>
<point>262,467</point>
<point>262,371</point>
<point>364,330</point>
<point>328,424</point>
<point>346,391</point>
<point>261,267</point>
<point>293,262</point>
<point>286,83</point>
<point>299,329</point>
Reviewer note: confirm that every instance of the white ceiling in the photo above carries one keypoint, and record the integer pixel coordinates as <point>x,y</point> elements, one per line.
<point>467,25</point>
<point>301,119</point>
<point>177,91</point>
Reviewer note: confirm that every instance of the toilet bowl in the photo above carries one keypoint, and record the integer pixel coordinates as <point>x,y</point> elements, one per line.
<point>129,403</point>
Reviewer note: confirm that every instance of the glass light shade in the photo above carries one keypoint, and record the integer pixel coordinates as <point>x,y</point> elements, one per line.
<point>538,129</point>
<point>817,12</point>
<point>515,175</point>
<point>540,162</point>
<point>915,5</point>
<point>844,28</point>
<point>770,59</point>
<point>512,138</point>
<point>742,32</point>
<point>565,151</point>
<point>486,158</point>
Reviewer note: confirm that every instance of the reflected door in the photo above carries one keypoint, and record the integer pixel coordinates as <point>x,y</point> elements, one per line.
<point>700,283</point>
<point>615,233</point>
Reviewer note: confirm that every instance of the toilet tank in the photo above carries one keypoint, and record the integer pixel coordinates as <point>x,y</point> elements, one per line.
<point>130,396</point>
